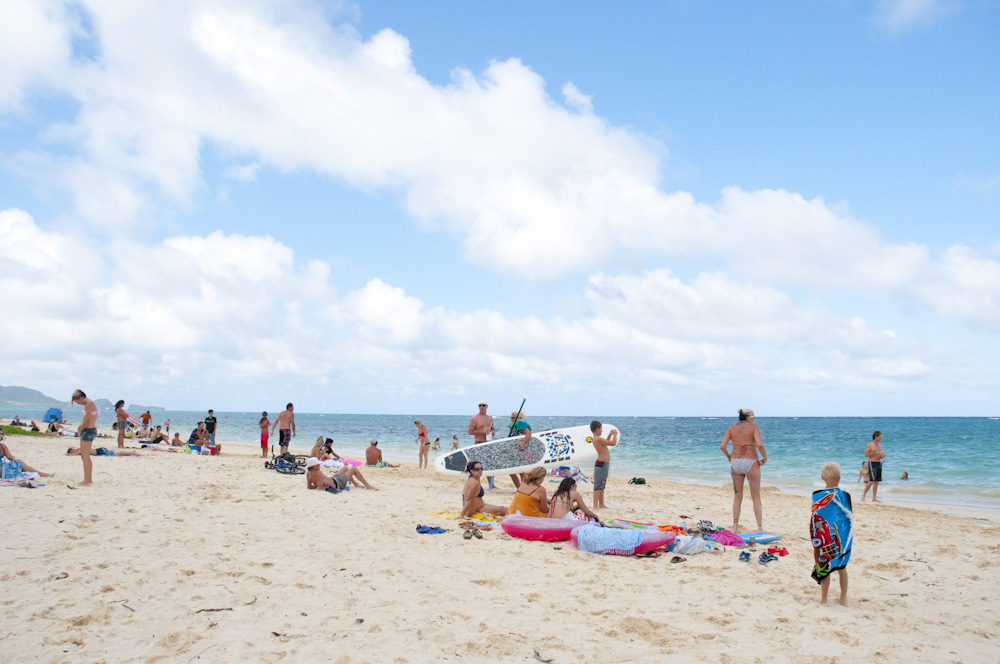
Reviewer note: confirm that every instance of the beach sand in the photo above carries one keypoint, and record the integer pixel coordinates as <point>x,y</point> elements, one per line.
<point>183,558</point>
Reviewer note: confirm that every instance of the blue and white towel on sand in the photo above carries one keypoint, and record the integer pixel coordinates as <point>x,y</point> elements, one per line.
<point>614,541</point>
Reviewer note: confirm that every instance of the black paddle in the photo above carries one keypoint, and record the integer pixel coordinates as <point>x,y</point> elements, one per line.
<point>513,424</point>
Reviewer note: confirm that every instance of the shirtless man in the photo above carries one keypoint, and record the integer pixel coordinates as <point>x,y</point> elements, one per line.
<point>373,457</point>
<point>286,420</point>
<point>481,425</point>
<point>744,464</point>
<point>875,455</point>
<point>315,479</point>
<point>159,436</point>
<point>87,431</point>
<point>603,463</point>
<point>101,451</point>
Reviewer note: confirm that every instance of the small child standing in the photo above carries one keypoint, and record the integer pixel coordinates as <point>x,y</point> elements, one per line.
<point>832,531</point>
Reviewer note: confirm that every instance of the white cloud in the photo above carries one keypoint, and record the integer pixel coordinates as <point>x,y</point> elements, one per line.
<point>245,173</point>
<point>896,16</point>
<point>194,310</point>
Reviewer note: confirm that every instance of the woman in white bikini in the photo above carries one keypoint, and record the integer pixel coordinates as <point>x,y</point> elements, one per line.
<point>744,463</point>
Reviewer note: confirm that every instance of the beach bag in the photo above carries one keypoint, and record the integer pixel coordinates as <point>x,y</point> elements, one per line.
<point>637,480</point>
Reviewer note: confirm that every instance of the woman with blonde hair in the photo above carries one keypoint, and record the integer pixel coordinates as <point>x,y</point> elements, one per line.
<point>424,442</point>
<point>530,498</point>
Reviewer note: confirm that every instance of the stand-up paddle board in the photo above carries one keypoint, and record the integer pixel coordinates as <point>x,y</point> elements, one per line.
<point>557,447</point>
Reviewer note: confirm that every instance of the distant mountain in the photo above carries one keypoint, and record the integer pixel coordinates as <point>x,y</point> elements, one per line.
<point>23,397</point>
<point>136,408</point>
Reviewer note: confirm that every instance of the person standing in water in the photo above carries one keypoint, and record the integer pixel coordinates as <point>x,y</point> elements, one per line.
<point>744,464</point>
<point>87,431</point>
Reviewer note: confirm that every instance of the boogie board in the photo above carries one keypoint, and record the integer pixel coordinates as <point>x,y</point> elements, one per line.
<point>761,537</point>
<point>556,447</point>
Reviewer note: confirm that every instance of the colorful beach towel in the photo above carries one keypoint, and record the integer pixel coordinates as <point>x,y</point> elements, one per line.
<point>832,530</point>
<point>727,537</point>
<point>615,541</point>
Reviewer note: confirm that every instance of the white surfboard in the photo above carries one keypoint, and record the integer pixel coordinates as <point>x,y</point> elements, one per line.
<point>556,447</point>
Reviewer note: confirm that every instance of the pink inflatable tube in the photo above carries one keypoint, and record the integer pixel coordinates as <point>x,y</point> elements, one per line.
<point>651,539</point>
<point>349,462</point>
<point>538,528</point>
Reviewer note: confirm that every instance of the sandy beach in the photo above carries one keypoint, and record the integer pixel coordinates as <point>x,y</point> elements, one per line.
<point>182,558</point>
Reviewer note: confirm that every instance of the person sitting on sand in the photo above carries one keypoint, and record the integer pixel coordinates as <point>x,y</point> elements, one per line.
<point>54,427</point>
<point>5,453</point>
<point>102,451</point>
<point>567,503</point>
<point>198,435</point>
<point>322,450</point>
<point>373,457</point>
<point>158,436</point>
<point>530,498</point>
<point>472,493</point>
<point>176,440</point>
<point>315,479</point>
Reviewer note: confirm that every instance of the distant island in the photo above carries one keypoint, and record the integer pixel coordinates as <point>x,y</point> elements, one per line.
<point>15,396</point>
<point>23,397</point>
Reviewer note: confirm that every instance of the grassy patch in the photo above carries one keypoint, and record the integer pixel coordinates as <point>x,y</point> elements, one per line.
<point>18,431</point>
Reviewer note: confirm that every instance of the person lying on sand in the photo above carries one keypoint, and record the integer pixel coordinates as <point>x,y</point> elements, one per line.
<point>315,479</point>
<point>5,453</point>
<point>102,451</point>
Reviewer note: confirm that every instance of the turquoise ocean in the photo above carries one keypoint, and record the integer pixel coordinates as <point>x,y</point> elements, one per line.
<point>950,460</point>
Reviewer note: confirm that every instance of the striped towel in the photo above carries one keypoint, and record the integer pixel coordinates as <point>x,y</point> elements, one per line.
<point>136,422</point>
<point>613,541</point>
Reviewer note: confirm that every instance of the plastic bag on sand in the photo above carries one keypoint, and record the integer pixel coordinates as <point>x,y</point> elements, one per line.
<point>689,546</point>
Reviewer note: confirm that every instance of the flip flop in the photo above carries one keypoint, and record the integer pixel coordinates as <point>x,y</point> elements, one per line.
<point>780,550</point>
<point>745,557</point>
<point>648,554</point>
<point>467,534</point>
<point>677,559</point>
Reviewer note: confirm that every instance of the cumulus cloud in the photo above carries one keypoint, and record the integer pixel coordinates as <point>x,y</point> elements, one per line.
<point>194,308</point>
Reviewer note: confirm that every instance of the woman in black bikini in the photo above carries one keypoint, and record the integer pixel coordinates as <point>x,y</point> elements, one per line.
<point>472,493</point>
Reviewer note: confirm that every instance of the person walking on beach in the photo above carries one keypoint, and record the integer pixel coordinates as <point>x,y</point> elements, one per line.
<point>424,442</point>
<point>211,423</point>
<point>122,421</point>
<point>264,424</point>
<point>875,456</point>
<point>744,464</point>
<point>603,463</point>
<point>286,422</point>
<point>87,431</point>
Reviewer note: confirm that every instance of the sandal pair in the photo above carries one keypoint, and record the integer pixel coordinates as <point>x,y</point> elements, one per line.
<point>745,557</point>
<point>780,550</point>
<point>474,532</point>
<point>765,558</point>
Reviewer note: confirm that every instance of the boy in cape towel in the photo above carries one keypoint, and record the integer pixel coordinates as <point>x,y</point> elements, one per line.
<point>832,531</point>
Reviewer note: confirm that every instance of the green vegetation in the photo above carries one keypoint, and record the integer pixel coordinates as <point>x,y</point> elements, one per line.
<point>18,431</point>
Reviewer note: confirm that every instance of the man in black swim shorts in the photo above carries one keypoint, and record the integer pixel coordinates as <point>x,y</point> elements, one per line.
<point>875,456</point>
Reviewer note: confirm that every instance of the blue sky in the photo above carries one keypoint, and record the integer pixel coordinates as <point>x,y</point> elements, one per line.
<point>682,209</point>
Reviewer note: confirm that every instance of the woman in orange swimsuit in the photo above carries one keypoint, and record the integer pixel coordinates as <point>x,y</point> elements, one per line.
<point>530,498</point>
